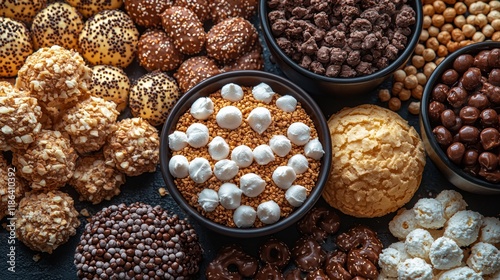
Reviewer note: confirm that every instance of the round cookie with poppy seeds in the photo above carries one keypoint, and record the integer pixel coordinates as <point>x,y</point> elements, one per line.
<point>15,43</point>
<point>22,10</point>
<point>89,8</point>
<point>110,83</point>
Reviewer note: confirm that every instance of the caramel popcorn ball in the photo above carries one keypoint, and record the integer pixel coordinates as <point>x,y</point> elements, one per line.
<point>19,118</point>
<point>133,147</point>
<point>48,163</point>
<point>10,184</point>
<point>46,220</point>
<point>89,123</point>
<point>94,180</point>
<point>57,77</point>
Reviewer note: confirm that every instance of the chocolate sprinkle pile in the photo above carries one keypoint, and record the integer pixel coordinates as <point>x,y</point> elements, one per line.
<point>137,241</point>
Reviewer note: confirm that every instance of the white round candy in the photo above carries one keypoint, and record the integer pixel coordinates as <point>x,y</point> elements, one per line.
<point>299,133</point>
<point>232,92</point>
<point>268,212</point>
<point>252,184</point>
<point>242,155</point>
<point>296,195</point>
<point>208,200</point>
<point>299,163</point>
<point>229,195</point>
<point>202,108</point>
<point>259,119</point>
<point>283,177</point>
<point>218,148</point>
<point>229,117</point>
<point>177,140</point>
<point>287,103</point>
<point>314,149</point>
<point>263,154</point>
<point>225,169</point>
<point>263,92</point>
<point>197,135</point>
<point>178,166</point>
<point>280,145</point>
<point>244,216</point>
<point>200,170</point>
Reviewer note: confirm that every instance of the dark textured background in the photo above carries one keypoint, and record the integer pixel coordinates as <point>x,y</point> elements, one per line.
<point>145,187</point>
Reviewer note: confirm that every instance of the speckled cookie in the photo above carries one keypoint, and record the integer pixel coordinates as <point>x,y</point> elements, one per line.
<point>378,160</point>
<point>15,43</point>
<point>112,84</point>
<point>22,10</point>
<point>89,8</point>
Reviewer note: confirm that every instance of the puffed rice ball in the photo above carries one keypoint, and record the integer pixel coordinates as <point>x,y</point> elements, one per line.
<point>490,230</point>
<point>48,163</point>
<point>133,147</point>
<point>415,269</point>
<point>388,261</point>
<point>22,10</point>
<point>452,202</point>
<point>403,223</point>
<point>89,8</point>
<point>484,258</point>
<point>400,246</point>
<point>111,83</point>
<point>16,44</point>
<point>463,227</point>
<point>429,213</point>
<point>460,273</point>
<point>46,220</point>
<point>96,181</point>
<point>418,243</point>
<point>445,253</point>
<point>89,123</point>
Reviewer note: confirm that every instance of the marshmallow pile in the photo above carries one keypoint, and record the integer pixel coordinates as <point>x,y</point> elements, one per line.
<point>440,239</point>
<point>225,162</point>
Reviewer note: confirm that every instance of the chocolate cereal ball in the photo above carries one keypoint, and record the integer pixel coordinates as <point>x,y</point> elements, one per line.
<point>89,8</point>
<point>137,241</point>
<point>19,118</point>
<point>46,220</point>
<point>11,186</point>
<point>156,51</point>
<point>110,37</point>
<point>133,147</point>
<point>147,13</point>
<point>89,123</point>
<point>94,180</point>
<point>222,9</point>
<point>194,70</point>
<point>15,44</point>
<point>57,77</point>
<point>153,96</point>
<point>199,7</point>
<point>57,24</point>
<point>22,10</point>
<point>48,163</point>
<point>111,84</point>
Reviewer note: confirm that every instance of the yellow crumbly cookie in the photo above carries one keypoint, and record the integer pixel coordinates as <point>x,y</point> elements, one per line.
<point>378,160</point>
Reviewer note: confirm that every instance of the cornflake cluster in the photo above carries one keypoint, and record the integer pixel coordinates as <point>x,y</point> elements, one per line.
<point>245,156</point>
<point>441,239</point>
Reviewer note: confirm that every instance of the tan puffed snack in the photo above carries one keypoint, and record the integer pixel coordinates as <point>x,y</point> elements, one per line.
<point>378,160</point>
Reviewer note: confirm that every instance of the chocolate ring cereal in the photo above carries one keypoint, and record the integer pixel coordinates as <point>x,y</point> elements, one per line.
<point>308,254</point>
<point>335,265</point>
<point>319,222</point>
<point>231,255</point>
<point>269,271</point>
<point>275,252</point>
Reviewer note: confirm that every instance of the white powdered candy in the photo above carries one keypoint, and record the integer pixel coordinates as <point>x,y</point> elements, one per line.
<point>252,184</point>
<point>229,196</point>
<point>259,119</point>
<point>429,213</point>
<point>177,140</point>
<point>244,216</point>
<point>299,133</point>
<point>197,135</point>
<point>268,212</point>
<point>225,169</point>
<point>283,177</point>
<point>202,108</point>
<point>218,148</point>
<point>463,227</point>
<point>208,199</point>
<point>287,103</point>
<point>200,170</point>
<point>229,117</point>
<point>232,92</point>
<point>280,145</point>
<point>263,92</point>
<point>314,149</point>
<point>178,166</point>
<point>296,195</point>
<point>445,253</point>
<point>263,154</point>
<point>242,155</point>
<point>299,163</point>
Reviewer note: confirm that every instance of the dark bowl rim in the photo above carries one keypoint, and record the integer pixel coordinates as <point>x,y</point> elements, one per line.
<point>393,66</point>
<point>313,197</point>
<point>424,112</point>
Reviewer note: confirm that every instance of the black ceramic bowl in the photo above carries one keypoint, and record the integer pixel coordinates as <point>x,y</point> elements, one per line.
<point>450,170</point>
<point>319,84</point>
<point>247,78</point>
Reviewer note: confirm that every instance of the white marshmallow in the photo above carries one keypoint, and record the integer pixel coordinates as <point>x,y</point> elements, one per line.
<point>218,148</point>
<point>314,149</point>
<point>299,163</point>
<point>299,133</point>
<point>202,108</point>
<point>197,135</point>
<point>263,92</point>
<point>232,92</point>
<point>200,170</point>
<point>242,155</point>
<point>287,103</point>
<point>296,195</point>
<point>208,200</point>
<point>177,140</point>
<point>178,166</point>
<point>229,117</point>
<point>244,216</point>
<point>283,177</point>
<point>280,145</point>
<point>225,169</point>
<point>268,212</point>
<point>229,195</point>
<point>263,154</point>
<point>259,119</point>
<point>252,184</point>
